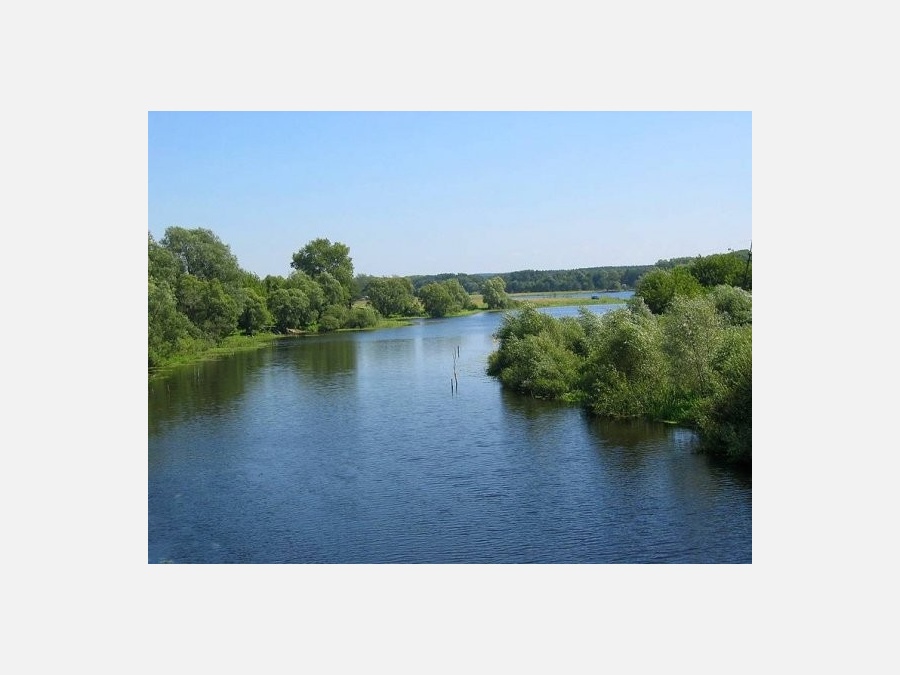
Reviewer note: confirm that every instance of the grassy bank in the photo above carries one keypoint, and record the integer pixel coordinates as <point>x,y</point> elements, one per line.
<point>565,302</point>
<point>203,351</point>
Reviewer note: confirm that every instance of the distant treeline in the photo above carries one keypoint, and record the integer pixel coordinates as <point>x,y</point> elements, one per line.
<point>581,279</point>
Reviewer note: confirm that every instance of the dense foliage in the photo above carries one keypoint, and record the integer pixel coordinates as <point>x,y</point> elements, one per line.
<point>494,293</point>
<point>198,295</point>
<point>393,296</point>
<point>690,363</point>
<point>444,298</point>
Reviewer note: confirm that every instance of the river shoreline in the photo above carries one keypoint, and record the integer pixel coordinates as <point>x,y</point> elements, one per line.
<point>242,343</point>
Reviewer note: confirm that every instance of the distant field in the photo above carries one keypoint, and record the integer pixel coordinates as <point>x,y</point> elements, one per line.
<point>562,299</point>
<point>558,299</point>
<point>568,301</point>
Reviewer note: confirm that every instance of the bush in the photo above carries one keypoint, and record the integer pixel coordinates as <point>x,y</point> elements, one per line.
<point>625,374</point>
<point>734,304</point>
<point>361,317</point>
<point>726,420</point>
<point>333,318</point>
<point>540,366</point>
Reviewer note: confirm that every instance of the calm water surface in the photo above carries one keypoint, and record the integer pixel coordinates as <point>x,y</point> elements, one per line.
<point>352,448</point>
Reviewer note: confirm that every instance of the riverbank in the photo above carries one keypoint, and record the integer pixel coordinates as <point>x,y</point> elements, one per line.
<point>228,347</point>
<point>242,343</point>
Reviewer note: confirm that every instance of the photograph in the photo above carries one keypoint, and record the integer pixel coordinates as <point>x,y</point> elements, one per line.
<point>449,337</point>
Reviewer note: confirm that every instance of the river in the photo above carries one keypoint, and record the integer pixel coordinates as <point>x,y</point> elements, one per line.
<point>355,448</point>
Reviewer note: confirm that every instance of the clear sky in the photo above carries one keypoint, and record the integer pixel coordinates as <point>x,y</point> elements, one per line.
<point>432,192</point>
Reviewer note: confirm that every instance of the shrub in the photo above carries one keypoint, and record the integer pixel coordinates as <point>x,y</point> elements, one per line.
<point>361,317</point>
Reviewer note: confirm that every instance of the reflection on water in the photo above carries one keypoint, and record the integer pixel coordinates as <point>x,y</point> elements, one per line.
<point>631,434</point>
<point>193,391</point>
<point>352,448</point>
<point>324,355</point>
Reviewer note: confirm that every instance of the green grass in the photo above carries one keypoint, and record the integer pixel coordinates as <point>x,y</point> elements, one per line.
<point>566,302</point>
<point>228,347</point>
<point>392,322</point>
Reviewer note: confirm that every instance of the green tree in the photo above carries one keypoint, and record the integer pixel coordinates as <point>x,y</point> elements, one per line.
<point>659,287</point>
<point>393,296</point>
<point>320,255</point>
<point>494,293</point>
<point>162,266</point>
<point>273,282</point>
<point>208,306</point>
<point>250,281</point>
<point>255,315</point>
<point>166,326</point>
<point>202,254</point>
<point>436,299</point>
<point>461,298</point>
<point>315,296</point>
<point>333,317</point>
<point>693,331</point>
<point>332,291</point>
<point>726,420</point>
<point>720,269</point>
<point>625,372</point>
<point>734,304</point>
<point>290,308</point>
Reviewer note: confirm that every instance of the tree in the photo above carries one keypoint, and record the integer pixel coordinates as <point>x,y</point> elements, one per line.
<point>162,266</point>
<point>445,297</point>
<point>333,317</point>
<point>393,296</point>
<point>494,293</point>
<point>659,287</point>
<point>201,253</point>
<point>734,304</point>
<point>656,289</point>
<point>461,298</point>
<point>255,315</point>
<point>693,332</point>
<point>208,306</point>
<point>290,308</point>
<point>720,269</point>
<point>726,422</point>
<point>166,326</point>
<point>625,372</point>
<point>436,299</point>
<point>332,291</point>
<point>320,256</point>
<point>315,296</point>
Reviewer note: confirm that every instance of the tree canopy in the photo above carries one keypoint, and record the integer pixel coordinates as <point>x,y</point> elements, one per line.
<point>494,293</point>
<point>201,253</point>
<point>320,256</point>
<point>393,296</point>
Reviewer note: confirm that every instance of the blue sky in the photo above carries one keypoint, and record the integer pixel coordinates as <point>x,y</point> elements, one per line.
<point>433,192</point>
